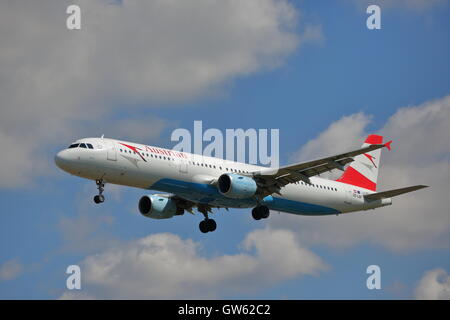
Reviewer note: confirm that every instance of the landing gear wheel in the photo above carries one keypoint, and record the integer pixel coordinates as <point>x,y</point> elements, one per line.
<point>203,226</point>
<point>255,214</point>
<point>264,212</point>
<point>212,225</point>
<point>99,198</point>
<point>260,212</point>
<point>207,225</point>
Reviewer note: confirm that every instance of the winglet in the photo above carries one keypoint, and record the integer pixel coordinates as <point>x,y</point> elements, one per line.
<point>388,145</point>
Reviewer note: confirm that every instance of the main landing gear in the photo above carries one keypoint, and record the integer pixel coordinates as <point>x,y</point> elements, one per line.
<point>260,212</point>
<point>100,198</point>
<point>207,225</point>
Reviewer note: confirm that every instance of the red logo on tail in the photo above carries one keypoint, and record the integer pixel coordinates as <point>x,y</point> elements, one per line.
<point>371,159</point>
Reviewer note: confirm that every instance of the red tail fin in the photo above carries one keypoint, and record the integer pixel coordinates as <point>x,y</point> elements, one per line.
<point>363,171</point>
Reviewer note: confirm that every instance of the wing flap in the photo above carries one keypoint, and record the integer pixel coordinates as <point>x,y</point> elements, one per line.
<point>393,193</point>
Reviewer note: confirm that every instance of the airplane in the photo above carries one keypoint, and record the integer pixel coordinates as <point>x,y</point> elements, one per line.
<point>192,181</point>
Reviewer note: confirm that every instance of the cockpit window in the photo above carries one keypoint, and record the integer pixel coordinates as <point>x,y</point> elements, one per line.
<point>81,145</point>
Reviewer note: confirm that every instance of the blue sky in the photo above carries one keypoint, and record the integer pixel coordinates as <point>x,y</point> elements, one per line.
<point>48,220</point>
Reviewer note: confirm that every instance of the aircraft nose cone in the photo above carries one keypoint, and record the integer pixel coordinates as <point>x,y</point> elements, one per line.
<point>62,159</point>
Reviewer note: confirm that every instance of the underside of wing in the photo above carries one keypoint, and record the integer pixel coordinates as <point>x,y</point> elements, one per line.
<point>189,205</point>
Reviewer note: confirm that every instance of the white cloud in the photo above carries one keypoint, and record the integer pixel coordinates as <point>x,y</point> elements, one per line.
<point>340,136</point>
<point>144,129</point>
<point>166,266</point>
<point>434,285</point>
<point>10,270</point>
<point>335,138</point>
<point>54,82</point>
<point>420,155</point>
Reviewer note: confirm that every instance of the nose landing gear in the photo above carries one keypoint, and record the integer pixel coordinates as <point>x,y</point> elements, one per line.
<point>260,212</point>
<point>100,198</point>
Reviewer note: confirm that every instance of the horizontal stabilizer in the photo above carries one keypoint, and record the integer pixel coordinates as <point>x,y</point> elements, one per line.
<point>392,193</point>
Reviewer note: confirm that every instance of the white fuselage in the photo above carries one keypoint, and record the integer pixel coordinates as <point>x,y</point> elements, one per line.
<point>193,177</point>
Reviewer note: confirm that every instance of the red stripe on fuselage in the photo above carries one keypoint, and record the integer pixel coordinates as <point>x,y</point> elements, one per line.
<point>135,149</point>
<point>353,177</point>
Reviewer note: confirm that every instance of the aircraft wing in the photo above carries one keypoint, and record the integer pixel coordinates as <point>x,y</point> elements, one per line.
<point>271,180</point>
<point>392,193</point>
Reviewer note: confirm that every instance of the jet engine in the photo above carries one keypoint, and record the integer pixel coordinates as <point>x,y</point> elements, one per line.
<point>236,186</point>
<point>158,207</point>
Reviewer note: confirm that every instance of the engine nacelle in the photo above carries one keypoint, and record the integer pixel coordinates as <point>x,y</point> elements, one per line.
<point>157,207</point>
<point>236,186</point>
